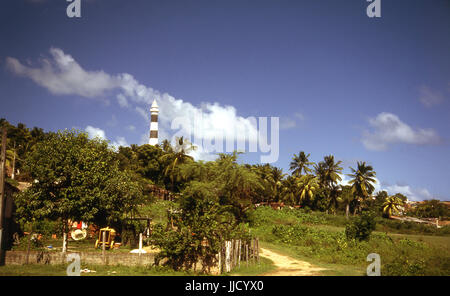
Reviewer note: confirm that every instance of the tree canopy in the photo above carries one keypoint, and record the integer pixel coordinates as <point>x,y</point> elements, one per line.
<point>77,178</point>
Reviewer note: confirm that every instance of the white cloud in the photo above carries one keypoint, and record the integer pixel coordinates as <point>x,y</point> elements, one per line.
<point>94,132</point>
<point>61,74</point>
<point>299,116</point>
<point>122,100</point>
<point>141,111</point>
<point>120,141</point>
<point>389,129</point>
<point>415,194</point>
<point>430,98</point>
<point>287,123</point>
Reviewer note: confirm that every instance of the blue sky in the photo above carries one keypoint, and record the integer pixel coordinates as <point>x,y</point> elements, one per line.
<point>360,88</point>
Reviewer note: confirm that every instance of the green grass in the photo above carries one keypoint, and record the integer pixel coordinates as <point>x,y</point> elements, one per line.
<point>101,270</point>
<point>156,210</point>
<point>309,237</point>
<point>265,265</point>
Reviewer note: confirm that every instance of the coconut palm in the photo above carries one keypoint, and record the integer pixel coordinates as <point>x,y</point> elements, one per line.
<point>300,163</point>
<point>166,147</point>
<point>275,180</point>
<point>177,156</point>
<point>328,173</point>
<point>332,170</point>
<point>290,190</point>
<point>347,198</point>
<point>392,205</point>
<point>308,184</point>
<point>362,179</point>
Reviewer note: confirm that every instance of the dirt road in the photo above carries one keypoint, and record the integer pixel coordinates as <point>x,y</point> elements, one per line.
<point>289,266</point>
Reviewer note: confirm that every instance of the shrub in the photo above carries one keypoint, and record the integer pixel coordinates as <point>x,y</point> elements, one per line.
<point>361,227</point>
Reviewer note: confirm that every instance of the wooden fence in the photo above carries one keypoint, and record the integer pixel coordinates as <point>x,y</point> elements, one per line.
<point>234,252</point>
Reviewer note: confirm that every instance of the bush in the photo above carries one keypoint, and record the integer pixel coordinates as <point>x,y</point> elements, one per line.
<point>404,266</point>
<point>361,227</point>
<point>201,224</point>
<point>267,216</point>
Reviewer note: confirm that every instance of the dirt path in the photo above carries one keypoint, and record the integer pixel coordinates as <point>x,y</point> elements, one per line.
<point>289,266</point>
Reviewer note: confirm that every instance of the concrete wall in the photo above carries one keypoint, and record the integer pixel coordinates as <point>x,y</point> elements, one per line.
<point>127,259</point>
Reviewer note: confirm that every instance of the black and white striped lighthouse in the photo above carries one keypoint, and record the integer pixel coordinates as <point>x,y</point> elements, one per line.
<point>154,110</point>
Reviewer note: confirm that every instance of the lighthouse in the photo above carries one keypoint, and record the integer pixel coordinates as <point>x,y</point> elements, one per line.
<point>154,110</point>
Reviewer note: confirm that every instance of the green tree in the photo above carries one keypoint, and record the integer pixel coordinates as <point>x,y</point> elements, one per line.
<point>347,197</point>
<point>392,205</point>
<point>200,223</point>
<point>328,173</point>
<point>362,181</point>
<point>308,185</point>
<point>300,163</point>
<point>290,190</point>
<point>174,158</point>
<point>361,227</point>
<point>276,180</point>
<point>76,178</point>
<point>430,209</point>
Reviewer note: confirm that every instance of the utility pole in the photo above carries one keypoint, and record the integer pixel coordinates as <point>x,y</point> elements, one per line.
<point>2,191</point>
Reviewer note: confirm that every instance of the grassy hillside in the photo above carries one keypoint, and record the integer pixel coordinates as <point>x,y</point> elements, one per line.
<point>321,239</point>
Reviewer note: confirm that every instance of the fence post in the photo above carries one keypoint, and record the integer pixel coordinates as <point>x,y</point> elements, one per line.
<point>64,247</point>
<point>227,257</point>
<point>257,249</point>
<point>239,252</point>
<point>253,250</point>
<point>104,246</point>
<point>220,259</point>
<point>233,254</point>
<point>246,253</point>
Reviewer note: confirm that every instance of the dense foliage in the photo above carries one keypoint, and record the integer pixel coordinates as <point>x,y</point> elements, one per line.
<point>361,227</point>
<point>316,236</point>
<point>76,178</point>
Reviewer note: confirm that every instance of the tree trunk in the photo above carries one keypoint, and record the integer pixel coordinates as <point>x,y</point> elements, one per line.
<point>14,162</point>
<point>347,210</point>
<point>65,231</point>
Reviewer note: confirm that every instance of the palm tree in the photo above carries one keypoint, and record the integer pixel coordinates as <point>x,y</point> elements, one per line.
<point>392,205</point>
<point>347,197</point>
<point>328,172</point>
<point>275,179</point>
<point>363,177</point>
<point>177,156</point>
<point>332,170</point>
<point>308,184</point>
<point>300,163</point>
<point>290,189</point>
<point>166,147</point>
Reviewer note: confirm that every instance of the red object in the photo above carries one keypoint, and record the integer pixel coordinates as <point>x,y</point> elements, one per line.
<point>79,224</point>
